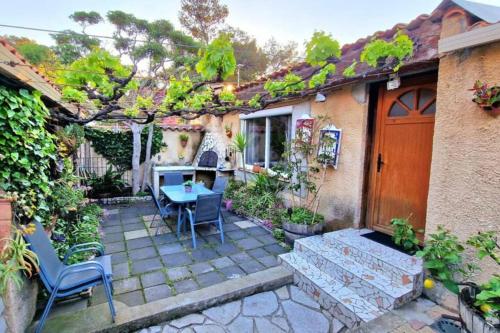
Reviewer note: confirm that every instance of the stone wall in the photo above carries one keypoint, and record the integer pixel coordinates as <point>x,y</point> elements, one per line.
<point>464,187</point>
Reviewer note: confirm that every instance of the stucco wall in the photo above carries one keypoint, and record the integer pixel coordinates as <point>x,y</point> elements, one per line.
<point>170,155</point>
<point>465,175</point>
<point>341,195</point>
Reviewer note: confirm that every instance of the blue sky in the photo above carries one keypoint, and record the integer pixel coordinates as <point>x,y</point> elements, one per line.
<point>284,19</point>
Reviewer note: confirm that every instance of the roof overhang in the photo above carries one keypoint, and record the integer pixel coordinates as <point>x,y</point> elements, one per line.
<point>477,37</point>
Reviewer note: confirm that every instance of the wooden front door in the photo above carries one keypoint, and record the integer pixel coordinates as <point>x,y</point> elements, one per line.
<point>400,168</point>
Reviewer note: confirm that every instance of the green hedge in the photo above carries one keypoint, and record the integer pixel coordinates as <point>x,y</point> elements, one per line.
<point>117,148</point>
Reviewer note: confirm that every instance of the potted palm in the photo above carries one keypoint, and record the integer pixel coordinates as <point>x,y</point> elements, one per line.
<point>240,145</point>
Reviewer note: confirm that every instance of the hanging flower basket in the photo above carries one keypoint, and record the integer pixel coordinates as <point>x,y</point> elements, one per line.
<point>488,98</point>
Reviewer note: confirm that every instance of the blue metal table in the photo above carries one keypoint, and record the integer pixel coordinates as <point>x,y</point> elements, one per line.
<point>177,194</point>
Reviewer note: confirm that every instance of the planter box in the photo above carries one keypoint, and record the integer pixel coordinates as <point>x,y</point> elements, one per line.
<point>472,319</point>
<point>295,231</point>
<point>20,305</point>
<point>5,220</point>
<point>442,296</point>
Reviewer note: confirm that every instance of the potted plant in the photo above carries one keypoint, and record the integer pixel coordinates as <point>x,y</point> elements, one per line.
<point>229,131</point>
<point>488,98</point>
<point>303,174</point>
<point>256,168</point>
<point>300,222</point>
<point>6,200</point>
<point>188,186</point>
<point>479,306</point>
<point>184,137</point>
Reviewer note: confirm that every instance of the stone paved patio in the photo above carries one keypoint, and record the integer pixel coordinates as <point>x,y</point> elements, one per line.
<point>287,309</point>
<point>148,267</point>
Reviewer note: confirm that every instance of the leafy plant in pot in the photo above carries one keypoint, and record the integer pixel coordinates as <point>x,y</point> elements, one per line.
<point>479,306</point>
<point>303,173</point>
<point>184,138</point>
<point>488,98</point>
<point>188,186</point>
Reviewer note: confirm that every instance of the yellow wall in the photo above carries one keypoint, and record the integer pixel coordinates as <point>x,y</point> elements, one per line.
<point>341,195</point>
<point>464,193</point>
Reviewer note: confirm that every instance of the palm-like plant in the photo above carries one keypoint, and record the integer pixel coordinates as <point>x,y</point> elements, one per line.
<point>240,144</point>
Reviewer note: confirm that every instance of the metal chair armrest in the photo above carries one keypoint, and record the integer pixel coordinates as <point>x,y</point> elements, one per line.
<point>84,247</point>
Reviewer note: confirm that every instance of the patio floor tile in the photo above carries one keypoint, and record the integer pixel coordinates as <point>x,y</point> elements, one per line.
<point>200,268</point>
<point>222,262</point>
<point>245,224</point>
<point>258,252</point>
<point>170,248</point>
<point>130,220</point>
<point>269,261</point>
<point>201,255</point>
<point>257,231</point>
<point>275,249</point>
<point>157,292</point>
<point>135,234</point>
<point>119,257</point>
<point>120,271</point>
<point>133,226</point>
<point>209,279</point>
<point>153,279</point>
<point>185,286</point>
<point>138,243</point>
<point>165,238</point>
<point>248,243</point>
<point>226,249</point>
<point>146,265</point>
<point>230,227</point>
<point>237,234</point>
<point>131,299</point>
<point>232,272</point>
<point>126,285</point>
<point>240,257</point>
<point>267,239</point>
<point>251,266</point>
<point>178,273</point>
<point>114,247</point>
<point>176,259</point>
<point>113,237</point>
<point>112,229</point>
<point>142,253</point>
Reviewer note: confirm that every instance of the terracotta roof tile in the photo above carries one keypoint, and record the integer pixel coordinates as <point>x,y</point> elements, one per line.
<point>424,30</point>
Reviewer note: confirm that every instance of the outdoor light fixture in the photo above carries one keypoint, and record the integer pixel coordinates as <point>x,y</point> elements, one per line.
<point>320,98</point>
<point>229,87</point>
<point>394,82</point>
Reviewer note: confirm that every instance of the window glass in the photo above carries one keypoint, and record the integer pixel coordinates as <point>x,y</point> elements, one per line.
<point>397,110</point>
<point>280,130</point>
<point>256,141</point>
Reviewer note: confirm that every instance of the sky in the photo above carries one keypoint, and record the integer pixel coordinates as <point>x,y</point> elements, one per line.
<point>283,19</point>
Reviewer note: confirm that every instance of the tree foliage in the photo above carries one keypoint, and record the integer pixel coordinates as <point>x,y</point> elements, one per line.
<point>399,49</point>
<point>279,55</point>
<point>217,61</point>
<point>320,48</point>
<point>202,18</point>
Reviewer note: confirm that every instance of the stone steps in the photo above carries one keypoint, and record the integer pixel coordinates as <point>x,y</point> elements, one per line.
<point>372,286</point>
<point>399,267</point>
<point>340,301</point>
<point>352,277</point>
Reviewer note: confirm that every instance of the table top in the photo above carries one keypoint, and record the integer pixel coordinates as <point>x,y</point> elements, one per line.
<point>177,194</point>
<point>173,168</point>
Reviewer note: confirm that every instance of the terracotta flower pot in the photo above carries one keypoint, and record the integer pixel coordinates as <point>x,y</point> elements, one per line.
<point>5,220</point>
<point>256,168</point>
<point>229,134</point>
<point>184,143</point>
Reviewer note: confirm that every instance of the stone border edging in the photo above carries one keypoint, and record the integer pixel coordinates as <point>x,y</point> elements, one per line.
<point>97,319</point>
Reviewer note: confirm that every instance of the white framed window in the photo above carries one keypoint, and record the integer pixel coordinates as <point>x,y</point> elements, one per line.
<point>267,132</point>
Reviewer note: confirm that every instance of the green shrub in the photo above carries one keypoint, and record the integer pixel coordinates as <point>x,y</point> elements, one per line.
<point>301,215</point>
<point>110,183</point>
<point>404,235</point>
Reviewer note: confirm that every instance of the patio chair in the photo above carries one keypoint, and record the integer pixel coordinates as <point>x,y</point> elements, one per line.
<point>62,280</point>
<point>220,184</point>
<point>165,211</point>
<point>207,211</point>
<point>173,178</point>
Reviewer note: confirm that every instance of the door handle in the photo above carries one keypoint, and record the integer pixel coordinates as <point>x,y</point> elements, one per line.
<point>379,162</point>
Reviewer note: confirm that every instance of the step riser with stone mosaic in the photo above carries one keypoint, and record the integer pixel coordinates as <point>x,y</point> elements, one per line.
<point>400,268</point>
<point>341,302</point>
<point>372,286</point>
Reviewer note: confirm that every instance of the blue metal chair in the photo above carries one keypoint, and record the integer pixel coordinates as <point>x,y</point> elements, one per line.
<point>165,211</point>
<point>173,178</point>
<point>62,280</point>
<point>207,211</point>
<point>220,184</point>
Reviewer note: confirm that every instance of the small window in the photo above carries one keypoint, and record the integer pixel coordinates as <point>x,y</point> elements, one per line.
<point>266,140</point>
<point>408,99</point>
<point>431,109</point>
<point>397,110</point>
